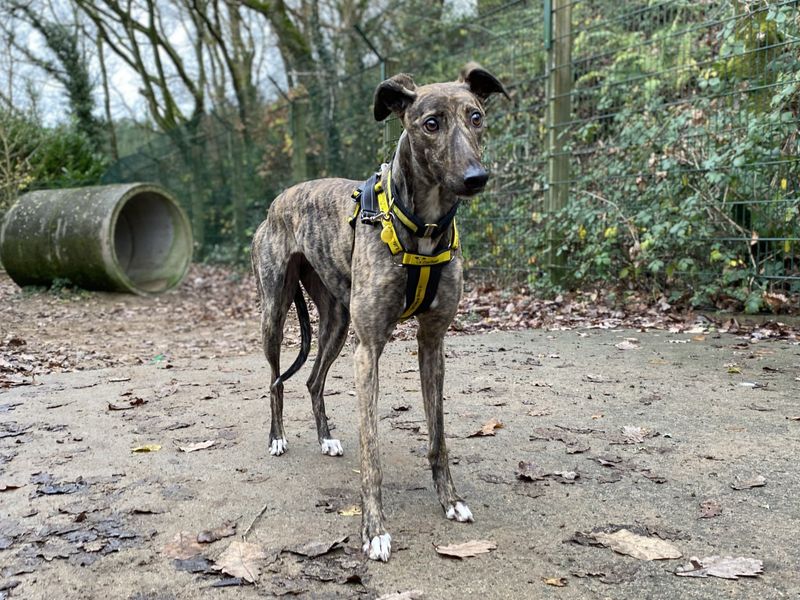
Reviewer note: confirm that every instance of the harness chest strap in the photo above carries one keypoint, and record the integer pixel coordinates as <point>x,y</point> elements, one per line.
<point>424,272</point>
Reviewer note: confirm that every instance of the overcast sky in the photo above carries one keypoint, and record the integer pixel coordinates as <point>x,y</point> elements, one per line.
<point>18,78</point>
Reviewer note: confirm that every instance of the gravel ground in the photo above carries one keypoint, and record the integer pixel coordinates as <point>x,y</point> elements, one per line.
<point>650,430</point>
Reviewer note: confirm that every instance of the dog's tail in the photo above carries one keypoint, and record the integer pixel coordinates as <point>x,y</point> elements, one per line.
<point>305,337</point>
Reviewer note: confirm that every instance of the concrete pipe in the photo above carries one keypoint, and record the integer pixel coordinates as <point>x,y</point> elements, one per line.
<point>124,238</point>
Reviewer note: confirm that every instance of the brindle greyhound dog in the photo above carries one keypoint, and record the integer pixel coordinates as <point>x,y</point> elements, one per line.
<point>350,273</point>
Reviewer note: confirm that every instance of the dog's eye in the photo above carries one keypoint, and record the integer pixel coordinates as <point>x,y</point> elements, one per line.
<point>431,125</point>
<point>476,119</point>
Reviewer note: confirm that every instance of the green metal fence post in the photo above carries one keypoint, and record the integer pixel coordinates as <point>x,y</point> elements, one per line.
<point>558,42</point>
<point>299,116</point>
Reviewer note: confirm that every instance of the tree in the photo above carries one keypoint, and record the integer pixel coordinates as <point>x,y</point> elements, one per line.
<point>68,65</point>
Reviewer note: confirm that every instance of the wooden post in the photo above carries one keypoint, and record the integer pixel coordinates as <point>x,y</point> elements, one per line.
<point>299,116</point>
<point>558,42</point>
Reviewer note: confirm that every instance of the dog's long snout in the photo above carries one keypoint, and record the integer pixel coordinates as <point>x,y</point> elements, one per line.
<point>475,178</point>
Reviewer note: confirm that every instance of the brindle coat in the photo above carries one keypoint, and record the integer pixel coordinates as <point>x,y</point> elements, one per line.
<point>350,274</point>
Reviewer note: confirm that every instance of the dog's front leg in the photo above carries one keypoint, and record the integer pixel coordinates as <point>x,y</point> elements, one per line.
<point>377,543</point>
<point>430,339</point>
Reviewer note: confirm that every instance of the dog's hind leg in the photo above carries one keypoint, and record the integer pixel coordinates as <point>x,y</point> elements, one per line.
<point>278,290</point>
<point>430,339</point>
<point>334,320</point>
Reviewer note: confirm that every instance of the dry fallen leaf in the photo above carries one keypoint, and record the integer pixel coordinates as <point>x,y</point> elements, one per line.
<point>555,581</point>
<point>544,413</point>
<point>183,546</point>
<point>487,429</point>
<point>710,508</point>
<point>409,595</point>
<point>197,446</point>
<point>314,549</point>
<point>745,484</point>
<point>351,511</point>
<point>637,546</point>
<point>634,435</point>
<point>467,549</point>
<point>208,536</point>
<point>530,471</point>
<point>574,445</point>
<point>726,567</point>
<point>240,559</point>
<point>628,344</point>
<point>112,406</point>
<point>8,485</point>
<point>597,378</point>
<point>147,448</point>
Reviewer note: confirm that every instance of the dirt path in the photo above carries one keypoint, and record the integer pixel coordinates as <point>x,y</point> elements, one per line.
<point>91,518</point>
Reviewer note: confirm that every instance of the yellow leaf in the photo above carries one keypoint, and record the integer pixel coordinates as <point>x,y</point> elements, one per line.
<point>582,232</point>
<point>734,370</point>
<point>351,511</point>
<point>784,184</point>
<point>147,448</point>
<point>555,581</point>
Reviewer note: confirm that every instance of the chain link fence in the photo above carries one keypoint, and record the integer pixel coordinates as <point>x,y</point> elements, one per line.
<point>647,143</point>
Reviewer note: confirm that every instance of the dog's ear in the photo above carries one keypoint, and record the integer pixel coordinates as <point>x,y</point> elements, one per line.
<point>480,82</point>
<point>394,95</point>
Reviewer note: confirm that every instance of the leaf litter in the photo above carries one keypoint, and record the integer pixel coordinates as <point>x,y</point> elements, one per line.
<point>197,446</point>
<point>208,536</point>
<point>574,445</point>
<point>466,549</point>
<point>528,471</point>
<point>724,567</point>
<point>487,429</point>
<point>317,548</point>
<point>182,546</point>
<point>751,482</point>
<point>241,560</point>
<point>643,543</point>
<point>710,509</point>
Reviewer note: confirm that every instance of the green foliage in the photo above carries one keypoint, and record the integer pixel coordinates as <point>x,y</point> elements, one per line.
<point>684,154</point>
<point>33,156</point>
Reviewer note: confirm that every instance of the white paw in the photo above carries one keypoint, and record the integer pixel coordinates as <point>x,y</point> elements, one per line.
<point>460,512</point>
<point>332,447</point>
<point>379,548</point>
<point>278,447</point>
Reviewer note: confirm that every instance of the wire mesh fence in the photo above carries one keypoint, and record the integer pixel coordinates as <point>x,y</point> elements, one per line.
<point>687,109</point>
<point>649,143</point>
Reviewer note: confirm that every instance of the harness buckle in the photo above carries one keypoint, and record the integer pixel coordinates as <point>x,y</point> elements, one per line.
<point>430,229</point>
<point>370,218</point>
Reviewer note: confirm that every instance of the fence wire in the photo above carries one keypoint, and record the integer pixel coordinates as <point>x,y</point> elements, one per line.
<point>677,157</point>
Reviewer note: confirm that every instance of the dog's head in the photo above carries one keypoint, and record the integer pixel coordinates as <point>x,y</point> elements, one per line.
<point>444,123</point>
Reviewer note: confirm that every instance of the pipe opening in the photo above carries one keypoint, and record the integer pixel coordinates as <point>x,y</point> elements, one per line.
<point>152,243</point>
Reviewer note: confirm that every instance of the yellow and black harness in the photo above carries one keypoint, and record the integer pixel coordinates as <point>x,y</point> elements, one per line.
<point>374,205</point>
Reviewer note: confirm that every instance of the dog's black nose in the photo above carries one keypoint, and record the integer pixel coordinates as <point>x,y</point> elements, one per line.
<point>475,178</point>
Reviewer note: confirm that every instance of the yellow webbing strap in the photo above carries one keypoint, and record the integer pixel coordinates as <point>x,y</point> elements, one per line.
<point>418,262</point>
<point>389,233</point>
<point>419,294</point>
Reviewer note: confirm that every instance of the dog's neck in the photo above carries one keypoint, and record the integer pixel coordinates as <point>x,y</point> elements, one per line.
<point>421,194</point>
